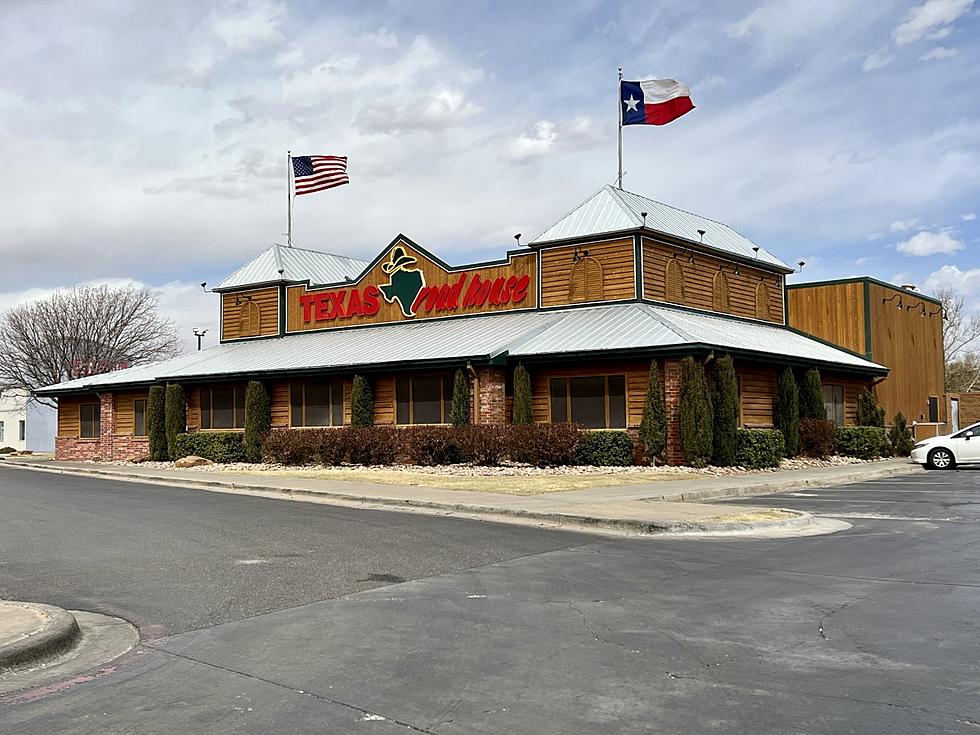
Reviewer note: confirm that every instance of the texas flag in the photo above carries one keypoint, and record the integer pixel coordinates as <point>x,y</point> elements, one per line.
<point>654,101</point>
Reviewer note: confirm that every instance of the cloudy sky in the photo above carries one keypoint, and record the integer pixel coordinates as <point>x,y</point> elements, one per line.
<point>147,141</point>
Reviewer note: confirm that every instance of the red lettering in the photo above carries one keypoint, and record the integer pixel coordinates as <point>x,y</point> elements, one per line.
<point>455,291</point>
<point>496,297</point>
<point>372,302</point>
<point>520,289</point>
<point>427,295</point>
<point>473,292</point>
<point>307,300</point>
<point>322,311</point>
<point>354,307</point>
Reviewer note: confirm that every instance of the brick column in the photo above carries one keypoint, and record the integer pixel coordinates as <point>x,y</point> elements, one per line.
<point>107,425</point>
<point>672,398</point>
<point>492,399</point>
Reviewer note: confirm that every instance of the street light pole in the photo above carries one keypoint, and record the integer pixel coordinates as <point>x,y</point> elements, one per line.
<point>200,335</point>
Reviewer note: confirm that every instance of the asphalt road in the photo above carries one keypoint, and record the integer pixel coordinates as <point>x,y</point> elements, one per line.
<point>257,622</point>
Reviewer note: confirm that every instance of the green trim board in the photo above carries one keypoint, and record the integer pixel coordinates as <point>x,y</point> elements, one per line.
<point>867,318</point>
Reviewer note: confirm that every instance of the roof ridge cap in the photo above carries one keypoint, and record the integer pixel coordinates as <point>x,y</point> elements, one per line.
<point>617,195</point>
<point>650,311</point>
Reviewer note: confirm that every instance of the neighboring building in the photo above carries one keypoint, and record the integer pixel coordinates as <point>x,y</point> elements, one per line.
<point>25,423</point>
<point>893,326</point>
<point>963,409</point>
<point>617,282</point>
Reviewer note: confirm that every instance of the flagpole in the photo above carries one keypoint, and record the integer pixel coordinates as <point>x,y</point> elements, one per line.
<point>289,199</point>
<point>619,103</point>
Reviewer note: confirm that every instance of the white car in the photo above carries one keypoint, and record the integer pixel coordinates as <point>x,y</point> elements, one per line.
<point>945,452</point>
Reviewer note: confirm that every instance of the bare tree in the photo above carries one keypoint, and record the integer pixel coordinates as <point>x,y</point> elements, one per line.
<point>961,330</point>
<point>81,331</point>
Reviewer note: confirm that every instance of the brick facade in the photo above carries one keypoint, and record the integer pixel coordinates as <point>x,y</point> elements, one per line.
<point>672,398</point>
<point>108,447</point>
<point>492,403</point>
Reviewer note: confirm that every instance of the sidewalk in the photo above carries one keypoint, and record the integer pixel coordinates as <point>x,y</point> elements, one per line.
<point>643,509</point>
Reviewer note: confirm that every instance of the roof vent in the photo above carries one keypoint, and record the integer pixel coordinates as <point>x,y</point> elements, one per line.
<point>909,287</point>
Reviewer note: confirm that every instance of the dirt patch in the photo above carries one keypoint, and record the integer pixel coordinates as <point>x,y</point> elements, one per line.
<point>753,516</point>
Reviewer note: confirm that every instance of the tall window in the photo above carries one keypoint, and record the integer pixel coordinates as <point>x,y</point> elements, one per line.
<point>423,399</point>
<point>22,430</point>
<point>223,407</point>
<point>1,431</point>
<point>720,295</point>
<point>597,402</point>
<point>585,280</point>
<point>317,403</point>
<point>762,310</point>
<point>833,402</point>
<point>674,281</point>
<point>90,418</point>
<point>139,417</point>
<point>249,319</point>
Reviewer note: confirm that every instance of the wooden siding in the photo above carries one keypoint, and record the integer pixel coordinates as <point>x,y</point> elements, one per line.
<point>279,399</point>
<point>699,281</point>
<point>384,401</point>
<point>518,267</point>
<point>193,398</point>
<point>912,346</point>
<point>124,410</point>
<point>832,312</point>
<point>266,300</point>
<point>636,373</point>
<point>615,266</point>
<point>758,393</point>
<point>69,417</point>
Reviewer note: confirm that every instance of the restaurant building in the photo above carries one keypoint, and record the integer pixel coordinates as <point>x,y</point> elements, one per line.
<point>617,282</point>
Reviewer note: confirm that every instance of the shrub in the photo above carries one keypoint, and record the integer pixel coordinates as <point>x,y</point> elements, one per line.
<point>522,396</point>
<point>863,442</point>
<point>899,436</point>
<point>361,402</point>
<point>258,419</point>
<point>484,444</point>
<point>7,450</point>
<point>432,445</point>
<point>816,437</point>
<point>695,414</point>
<point>156,424</point>
<point>307,446</point>
<point>759,448</point>
<point>378,445</point>
<point>787,418</point>
<point>606,449</point>
<point>459,408</point>
<point>545,445</point>
<point>869,412</point>
<point>175,415</point>
<point>653,427</point>
<point>811,396</point>
<point>724,405</point>
<point>218,446</point>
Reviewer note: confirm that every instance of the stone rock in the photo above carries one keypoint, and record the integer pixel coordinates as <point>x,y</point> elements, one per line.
<point>192,461</point>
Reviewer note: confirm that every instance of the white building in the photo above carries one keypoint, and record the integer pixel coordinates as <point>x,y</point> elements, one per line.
<point>25,423</point>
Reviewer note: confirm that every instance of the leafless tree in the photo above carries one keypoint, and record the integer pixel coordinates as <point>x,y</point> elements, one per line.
<point>81,331</point>
<point>961,331</point>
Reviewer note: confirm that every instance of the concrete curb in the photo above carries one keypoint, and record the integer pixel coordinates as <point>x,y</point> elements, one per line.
<point>776,486</point>
<point>59,634</point>
<point>584,521</point>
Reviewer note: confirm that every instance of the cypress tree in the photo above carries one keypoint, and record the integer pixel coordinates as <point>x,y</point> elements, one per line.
<point>156,424</point>
<point>459,409</point>
<point>788,410</point>
<point>175,410</point>
<point>900,437</point>
<point>522,395</point>
<point>724,403</point>
<point>361,402</point>
<point>695,414</point>
<point>653,427</point>
<point>869,412</point>
<point>811,396</point>
<point>258,420</point>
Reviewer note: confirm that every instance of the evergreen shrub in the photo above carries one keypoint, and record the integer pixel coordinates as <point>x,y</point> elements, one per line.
<point>899,436</point>
<point>757,449</point>
<point>258,420</point>
<point>459,408</point>
<point>218,446</point>
<point>869,412</point>
<point>816,437</point>
<point>695,414</point>
<point>606,449</point>
<point>724,404</point>
<point>361,402</point>
<point>787,412</point>
<point>653,426</point>
<point>175,412</point>
<point>522,396</point>
<point>863,442</point>
<point>156,424</point>
<point>811,396</point>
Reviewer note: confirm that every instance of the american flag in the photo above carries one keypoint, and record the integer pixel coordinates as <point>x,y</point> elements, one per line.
<point>316,173</point>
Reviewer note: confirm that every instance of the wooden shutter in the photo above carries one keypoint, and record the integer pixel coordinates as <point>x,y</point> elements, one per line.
<point>249,319</point>
<point>762,310</point>
<point>720,294</point>
<point>585,280</point>
<point>675,282</point>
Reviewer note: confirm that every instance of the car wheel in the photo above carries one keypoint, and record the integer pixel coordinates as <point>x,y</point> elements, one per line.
<point>941,459</point>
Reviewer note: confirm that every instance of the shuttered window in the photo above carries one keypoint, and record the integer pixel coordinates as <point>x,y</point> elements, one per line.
<point>675,282</point>
<point>596,402</point>
<point>317,403</point>
<point>585,280</point>
<point>720,294</point>
<point>249,319</point>
<point>762,310</point>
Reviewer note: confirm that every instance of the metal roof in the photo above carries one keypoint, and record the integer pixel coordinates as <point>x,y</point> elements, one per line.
<point>280,263</point>
<point>641,327</point>
<point>615,210</point>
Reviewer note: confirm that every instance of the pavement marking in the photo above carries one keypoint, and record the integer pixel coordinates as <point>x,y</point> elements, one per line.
<point>253,561</point>
<point>885,517</point>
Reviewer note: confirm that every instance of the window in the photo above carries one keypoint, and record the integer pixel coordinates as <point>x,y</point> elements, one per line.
<point>317,403</point>
<point>585,280</point>
<point>249,319</point>
<point>720,295</point>
<point>423,399</point>
<point>139,417</point>
<point>90,418</point>
<point>223,408</point>
<point>833,402</point>
<point>674,282</point>
<point>22,431</point>
<point>1,431</point>
<point>762,302</point>
<point>597,402</point>
<point>933,409</point>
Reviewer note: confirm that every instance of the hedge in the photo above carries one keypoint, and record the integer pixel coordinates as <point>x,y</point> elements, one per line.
<point>759,448</point>
<point>218,446</point>
<point>816,437</point>
<point>606,449</point>
<point>863,442</point>
<point>432,445</point>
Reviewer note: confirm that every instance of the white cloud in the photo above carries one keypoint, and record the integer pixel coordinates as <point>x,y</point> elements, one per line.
<point>940,52</point>
<point>903,225</point>
<point>252,25</point>
<point>538,141</point>
<point>439,110</point>
<point>875,236</point>
<point>965,283</point>
<point>930,243</point>
<point>929,19</point>
<point>968,217</point>
<point>877,60</point>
